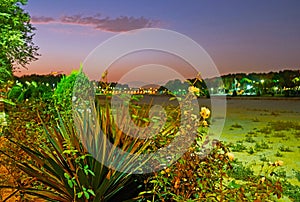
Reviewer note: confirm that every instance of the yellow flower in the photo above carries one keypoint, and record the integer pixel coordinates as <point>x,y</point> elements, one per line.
<point>279,163</point>
<point>263,179</point>
<point>193,89</point>
<point>205,123</point>
<point>230,156</point>
<point>205,112</point>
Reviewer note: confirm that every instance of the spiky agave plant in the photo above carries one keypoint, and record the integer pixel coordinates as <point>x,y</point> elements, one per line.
<point>65,169</point>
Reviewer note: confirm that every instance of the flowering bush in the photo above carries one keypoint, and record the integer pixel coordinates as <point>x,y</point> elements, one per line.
<point>208,175</point>
<point>193,178</point>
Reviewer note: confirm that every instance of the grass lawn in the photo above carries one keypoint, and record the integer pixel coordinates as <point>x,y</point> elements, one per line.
<point>269,130</point>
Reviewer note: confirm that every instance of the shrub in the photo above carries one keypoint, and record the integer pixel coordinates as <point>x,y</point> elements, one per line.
<point>278,154</point>
<point>190,178</point>
<point>284,149</point>
<point>65,96</point>
<point>265,130</point>
<point>263,158</point>
<point>236,125</point>
<point>284,125</point>
<point>217,177</point>
<point>239,147</point>
<point>297,174</point>
<point>250,150</point>
<point>63,93</point>
<point>261,145</point>
<point>63,169</point>
<point>292,191</point>
<point>249,139</point>
<point>240,171</point>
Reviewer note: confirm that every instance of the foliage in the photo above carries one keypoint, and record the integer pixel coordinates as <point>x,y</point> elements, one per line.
<point>30,90</point>
<point>249,139</point>
<point>191,177</point>
<point>240,171</point>
<point>284,149</point>
<point>212,178</point>
<point>292,191</point>
<point>63,93</point>
<point>238,147</point>
<point>62,168</point>
<point>51,79</point>
<point>284,125</point>
<point>5,75</point>
<point>175,85</point>
<point>236,125</point>
<point>65,97</point>
<point>261,145</point>
<point>25,127</point>
<point>297,174</point>
<point>16,34</point>
<point>272,80</point>
<point>57,166</point>
<point>278,154</point>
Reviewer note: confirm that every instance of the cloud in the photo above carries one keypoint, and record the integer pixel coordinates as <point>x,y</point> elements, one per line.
<point>119,24</point>
<point>41,20</point>
<point>125,23</point>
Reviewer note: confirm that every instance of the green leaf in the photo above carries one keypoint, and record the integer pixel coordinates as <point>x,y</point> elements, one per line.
<point>146,120</point>
<point>91,192</point>
<point>86,194</point>
<point>67,175</point>
<point>134,116</point>
<point>70,183</point>
<point>5,14</point>
<point>91,172</point>
<point>233,185</point>
<point>80,194</point>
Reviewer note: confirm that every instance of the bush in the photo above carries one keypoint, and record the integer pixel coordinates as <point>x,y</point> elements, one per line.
<point>30,91</point>
<point>63,169</point>
<point>239,147</point>
<point>215,177</point>
<point>297,174</point>
<point>190,178</point>
<point>241,172</point>
<point>236,125</point>
<point>292,191</point>
<point>63,93</point>
<point>67,95</point>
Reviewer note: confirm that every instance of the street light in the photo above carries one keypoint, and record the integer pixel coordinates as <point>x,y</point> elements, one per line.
<point>262,85</point>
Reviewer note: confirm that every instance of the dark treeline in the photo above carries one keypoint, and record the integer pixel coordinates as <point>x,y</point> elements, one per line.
<point>286,82</point>
<point>51,79</point>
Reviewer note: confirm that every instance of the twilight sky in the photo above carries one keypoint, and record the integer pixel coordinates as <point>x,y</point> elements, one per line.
<point>240,36</point>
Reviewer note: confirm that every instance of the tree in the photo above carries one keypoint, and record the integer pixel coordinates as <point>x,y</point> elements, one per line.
<point>176,85</point>
<point>16,34</point>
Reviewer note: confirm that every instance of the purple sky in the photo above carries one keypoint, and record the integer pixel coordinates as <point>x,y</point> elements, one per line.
<point>240,36</point>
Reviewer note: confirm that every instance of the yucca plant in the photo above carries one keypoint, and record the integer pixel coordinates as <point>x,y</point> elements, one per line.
<point>72,164</point>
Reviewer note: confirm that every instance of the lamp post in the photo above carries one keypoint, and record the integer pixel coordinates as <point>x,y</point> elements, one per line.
<point>262,85</point>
